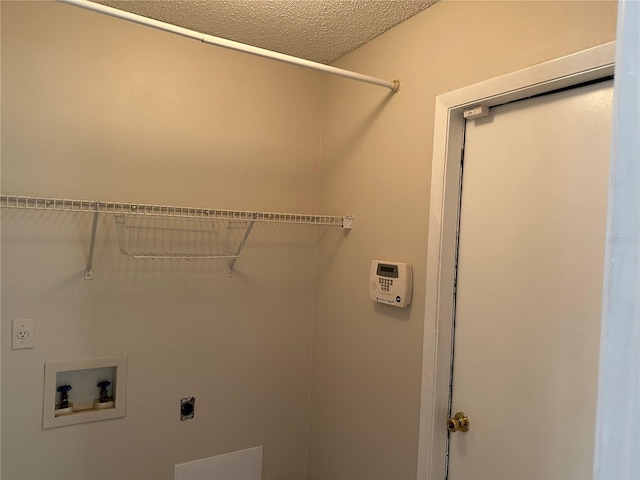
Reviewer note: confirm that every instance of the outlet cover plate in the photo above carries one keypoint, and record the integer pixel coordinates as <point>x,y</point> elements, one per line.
<point>22,335</point>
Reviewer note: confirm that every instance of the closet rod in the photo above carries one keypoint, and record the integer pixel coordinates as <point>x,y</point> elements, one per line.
<point>393,85</point>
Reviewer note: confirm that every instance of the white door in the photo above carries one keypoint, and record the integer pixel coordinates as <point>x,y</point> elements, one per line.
<point>529,287</point>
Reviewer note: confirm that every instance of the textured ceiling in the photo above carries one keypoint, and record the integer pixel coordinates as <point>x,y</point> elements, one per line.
<point>318,30</point>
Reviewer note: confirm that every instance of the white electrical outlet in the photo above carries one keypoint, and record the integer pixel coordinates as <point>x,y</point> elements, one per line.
<point>22,334</point>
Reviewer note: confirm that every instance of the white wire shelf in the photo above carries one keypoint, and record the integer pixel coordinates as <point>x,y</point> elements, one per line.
<point>173,238</point>
<point>116,208</point>
<point>171,231</point>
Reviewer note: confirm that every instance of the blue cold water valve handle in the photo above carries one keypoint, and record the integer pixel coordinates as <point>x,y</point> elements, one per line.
<point>64,398</point>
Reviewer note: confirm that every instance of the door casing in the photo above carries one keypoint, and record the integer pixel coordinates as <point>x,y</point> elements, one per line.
<point>585,66</point>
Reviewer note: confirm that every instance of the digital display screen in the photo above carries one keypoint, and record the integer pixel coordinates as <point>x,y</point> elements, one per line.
<point>385,270</point>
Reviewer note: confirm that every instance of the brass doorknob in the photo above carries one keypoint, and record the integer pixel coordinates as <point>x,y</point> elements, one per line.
<point>460,421</point>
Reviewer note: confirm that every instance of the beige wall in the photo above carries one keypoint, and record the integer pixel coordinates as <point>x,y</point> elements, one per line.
<point>97,108</point>
<point>365,395</point>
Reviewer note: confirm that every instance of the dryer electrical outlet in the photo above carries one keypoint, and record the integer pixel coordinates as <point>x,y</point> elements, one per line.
<point>187,408</point>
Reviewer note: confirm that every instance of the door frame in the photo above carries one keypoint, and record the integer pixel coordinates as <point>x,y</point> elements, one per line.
<point>585,66</point>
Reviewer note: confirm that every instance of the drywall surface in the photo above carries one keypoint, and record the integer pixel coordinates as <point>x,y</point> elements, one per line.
<point>367,357</point>
<point>100,109</point>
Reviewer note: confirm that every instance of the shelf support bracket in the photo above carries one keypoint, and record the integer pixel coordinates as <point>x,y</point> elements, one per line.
<point>88,273</point>
<point>247,231</point>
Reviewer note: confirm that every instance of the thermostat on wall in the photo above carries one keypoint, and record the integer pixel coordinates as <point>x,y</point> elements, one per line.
<point>391,283</point>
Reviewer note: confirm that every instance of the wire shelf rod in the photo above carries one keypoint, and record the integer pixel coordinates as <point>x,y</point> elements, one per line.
<point>176,256</point>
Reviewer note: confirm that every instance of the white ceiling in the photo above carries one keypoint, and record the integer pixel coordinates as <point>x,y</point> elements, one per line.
<point>318,30</point>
